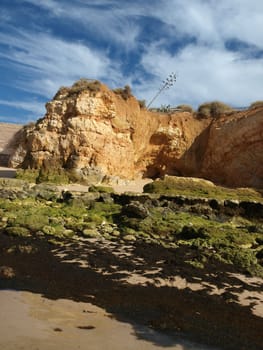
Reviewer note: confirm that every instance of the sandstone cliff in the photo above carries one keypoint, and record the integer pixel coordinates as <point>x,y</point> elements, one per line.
<point>8,136</point>
<point>95,131</point>
<point>234,150</point>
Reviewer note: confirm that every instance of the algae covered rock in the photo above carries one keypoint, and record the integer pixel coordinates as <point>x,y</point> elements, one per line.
<point>129,238</point>
<point>135,209</point>
<point>91,233</point>
<point>17,231</point>
<point>46,192</point>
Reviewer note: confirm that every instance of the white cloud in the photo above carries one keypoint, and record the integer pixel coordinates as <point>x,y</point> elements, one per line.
<point>111,22</point>
<point>4,15</point>
<point>246,23</point>
<point>206,69</point>
<point>50,5</point>
<point>36,108</point>
<point>206,74</point>
<point>213,21</point>
<point>47,62</point>
<point>208,21</point>
<point>192,18</point>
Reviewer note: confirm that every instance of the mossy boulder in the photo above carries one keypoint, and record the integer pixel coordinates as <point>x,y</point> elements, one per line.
<point>129,238</point>
<point>17,231</point>
<point>46,192</point>
<point>57,231</point>
<point>90,233</point>
<point>52,175</point>
<point>200,188</point>
<point>191,232</point>
<point>101,189</point>
<point>135,209</point>
<point>30,221</point>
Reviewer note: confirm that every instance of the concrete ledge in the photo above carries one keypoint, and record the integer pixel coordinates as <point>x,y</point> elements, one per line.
<point>7,172</point>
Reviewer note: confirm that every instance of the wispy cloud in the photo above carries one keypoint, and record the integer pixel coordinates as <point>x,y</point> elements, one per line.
<point>216,47</point>
<point>206,74</point>
<point>4,15</point>
<point>50,61</point>
<point>36,108</point>
<point>104,19</point>
<point>213,21</point>
<point>208,69</point>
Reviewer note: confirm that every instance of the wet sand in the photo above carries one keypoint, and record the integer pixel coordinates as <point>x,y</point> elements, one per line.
<point>29,321</point>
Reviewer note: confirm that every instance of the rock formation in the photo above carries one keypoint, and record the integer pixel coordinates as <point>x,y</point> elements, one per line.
<point>8,135</point>
<point>92,130</point>
<point>234,150</point>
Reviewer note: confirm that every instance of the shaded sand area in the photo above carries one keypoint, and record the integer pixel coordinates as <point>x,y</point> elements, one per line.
<point>30,321</point>
<point>111,296</point>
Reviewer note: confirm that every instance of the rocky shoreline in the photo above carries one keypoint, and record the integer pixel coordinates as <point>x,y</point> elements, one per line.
<point>167,261</point>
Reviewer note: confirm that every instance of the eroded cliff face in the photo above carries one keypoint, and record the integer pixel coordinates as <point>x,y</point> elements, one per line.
<point>234,150</point>
<point>98,131</point>
<point>101,130</point>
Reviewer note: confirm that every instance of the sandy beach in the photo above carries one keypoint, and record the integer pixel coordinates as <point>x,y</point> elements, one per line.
<point>117,297</point>
<point>30,321</point>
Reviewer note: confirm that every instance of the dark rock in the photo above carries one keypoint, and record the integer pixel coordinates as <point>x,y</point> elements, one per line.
<point>214,204</point>
<point>45,191</point>
<point>6,272</point>
<point>106,198</point>
<point>233,204</point>
<point>259,254</point>
<point>66,195</point>
<point>252,209</point>
<point>86,327</point>
<point>57,329</point>
<point>191,232</point>
<point>135,209</point>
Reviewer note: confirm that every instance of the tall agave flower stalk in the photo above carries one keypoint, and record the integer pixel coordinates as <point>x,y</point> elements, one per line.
<point>166,84</point>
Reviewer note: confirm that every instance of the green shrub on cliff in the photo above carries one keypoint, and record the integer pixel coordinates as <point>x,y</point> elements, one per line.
<point>85,84</point>
<point>256,104</point>
<point>125,92</point>
<point>79,86</point>
<point>142,104</point>
<point>185,108</point>
<point>213,110</point>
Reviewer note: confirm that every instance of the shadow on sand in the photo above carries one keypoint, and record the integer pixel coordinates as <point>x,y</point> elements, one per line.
<point>135,284</point>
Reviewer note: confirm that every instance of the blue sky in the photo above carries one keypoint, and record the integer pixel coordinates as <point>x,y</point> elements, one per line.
<point>215,48</point>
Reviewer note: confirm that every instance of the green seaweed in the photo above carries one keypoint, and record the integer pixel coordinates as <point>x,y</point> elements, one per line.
<point>199,188</point>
